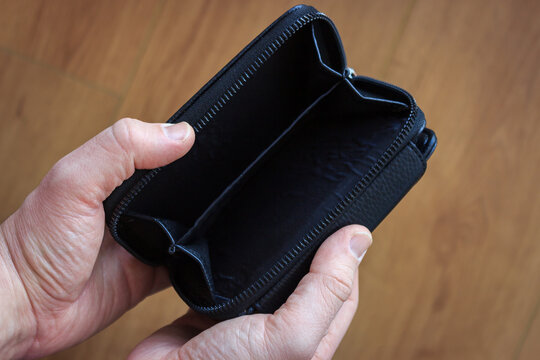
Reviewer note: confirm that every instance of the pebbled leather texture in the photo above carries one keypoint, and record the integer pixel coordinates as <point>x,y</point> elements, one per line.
<point>289,148</point>
<point>369,208</point>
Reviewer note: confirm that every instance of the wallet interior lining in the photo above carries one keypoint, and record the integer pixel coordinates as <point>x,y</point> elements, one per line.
<point>318,158</point>
<point>292,79</point>
<point>332,147</point>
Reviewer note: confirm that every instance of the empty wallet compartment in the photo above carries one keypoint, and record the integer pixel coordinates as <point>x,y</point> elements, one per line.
<point>289,147</point>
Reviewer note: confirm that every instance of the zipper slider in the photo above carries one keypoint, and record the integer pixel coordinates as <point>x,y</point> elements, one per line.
<point>426,142</point>
<point>349,73</point>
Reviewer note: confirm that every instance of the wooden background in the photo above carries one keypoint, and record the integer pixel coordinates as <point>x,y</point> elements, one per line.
<point>454,270</point>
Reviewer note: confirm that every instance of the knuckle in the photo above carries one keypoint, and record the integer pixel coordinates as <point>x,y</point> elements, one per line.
<point>338,285</point>
<point>122,133</point>
<point>280,340</point>
<point>59,176</point>
<point>183,353</point>
<point>305,351</point>
<point>297,348</point>
<point>303,348</point>
<point>318,356</point>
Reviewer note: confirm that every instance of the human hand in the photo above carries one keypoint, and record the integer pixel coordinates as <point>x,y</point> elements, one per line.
<point>310,325</point>
<point>61,278</point>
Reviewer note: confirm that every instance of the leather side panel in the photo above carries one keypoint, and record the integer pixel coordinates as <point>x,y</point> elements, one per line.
<point>368,209</point>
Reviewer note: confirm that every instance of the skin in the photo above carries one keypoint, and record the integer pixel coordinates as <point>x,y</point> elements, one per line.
<point>63,278</point>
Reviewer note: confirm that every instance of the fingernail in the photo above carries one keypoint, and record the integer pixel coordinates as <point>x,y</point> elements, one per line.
<point>359,244</point>
<point>362,257</point>
<point>178,132</point>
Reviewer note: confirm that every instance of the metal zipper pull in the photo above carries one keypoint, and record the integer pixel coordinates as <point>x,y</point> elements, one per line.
<point>349,73</point>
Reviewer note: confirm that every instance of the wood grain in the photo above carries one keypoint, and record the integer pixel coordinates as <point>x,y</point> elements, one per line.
<point>45,114</point>
<point>454,269</point>
<point>98,41</point>
<point>183,55</point>
<point>531,340</point>
<point>461,252</point>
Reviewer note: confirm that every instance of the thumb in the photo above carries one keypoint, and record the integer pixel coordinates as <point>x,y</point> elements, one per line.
<point>321,294</point>
<point>90,173</point>
<point>167,342</point>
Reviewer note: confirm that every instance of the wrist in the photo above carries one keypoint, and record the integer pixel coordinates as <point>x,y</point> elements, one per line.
<point>17,318</point>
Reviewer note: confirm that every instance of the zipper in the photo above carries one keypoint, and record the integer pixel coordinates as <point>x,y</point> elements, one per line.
<point>349,73</point>
<point>212,112</point>
<point>311,236</point>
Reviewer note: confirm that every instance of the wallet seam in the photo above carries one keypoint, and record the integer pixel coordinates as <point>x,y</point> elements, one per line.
<point>258,303</point>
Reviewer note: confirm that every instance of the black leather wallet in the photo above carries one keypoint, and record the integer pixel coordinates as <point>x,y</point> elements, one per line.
<point>290,146</point>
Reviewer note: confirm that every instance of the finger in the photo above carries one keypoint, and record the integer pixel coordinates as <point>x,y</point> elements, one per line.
<point>339,325</point>
<point>167,341</point>
<point>90,173</point>
<point>323,291</point>
<point>162,344</point>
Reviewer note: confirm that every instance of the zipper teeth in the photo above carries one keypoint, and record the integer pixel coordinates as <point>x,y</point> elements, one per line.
<point>214,109</point>
<point>317,229</point>
<point>321,226</point>
<point>254,67</point>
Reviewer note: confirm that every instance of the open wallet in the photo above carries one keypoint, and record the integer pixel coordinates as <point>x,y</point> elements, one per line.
<point>290,146</point>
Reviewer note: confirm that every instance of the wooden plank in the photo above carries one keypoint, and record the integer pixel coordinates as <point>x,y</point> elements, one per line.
<point>98,41</point>
<point>45,115</point>
<point>453,272</point>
